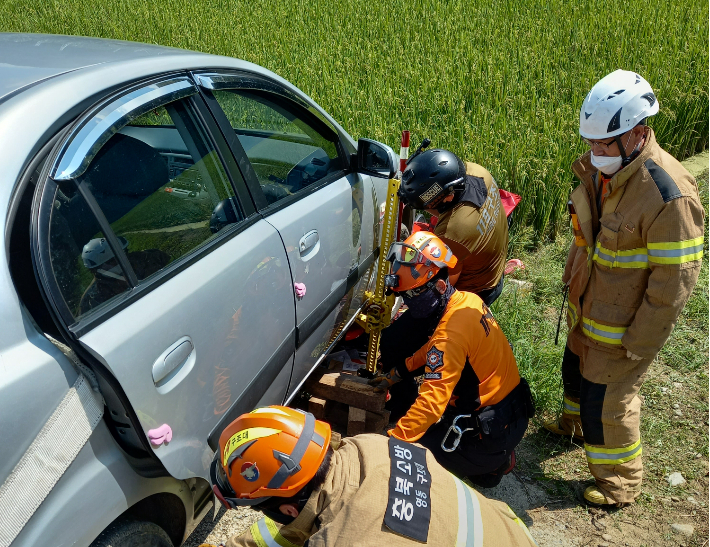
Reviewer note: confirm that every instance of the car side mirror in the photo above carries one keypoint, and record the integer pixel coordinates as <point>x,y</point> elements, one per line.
<point>376,159</point>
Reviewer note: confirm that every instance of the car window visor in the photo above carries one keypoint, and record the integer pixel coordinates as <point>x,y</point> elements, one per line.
<point>95,129</point>
<point>218,81</point>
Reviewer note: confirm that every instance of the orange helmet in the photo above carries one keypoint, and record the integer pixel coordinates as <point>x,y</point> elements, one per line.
<point>417,260</point>
<point>271,451</point>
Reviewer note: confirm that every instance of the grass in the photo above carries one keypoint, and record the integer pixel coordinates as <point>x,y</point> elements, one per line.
<point>499,83</point>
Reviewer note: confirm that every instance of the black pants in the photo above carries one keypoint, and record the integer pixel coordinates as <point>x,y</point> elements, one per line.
<point>477,454</point>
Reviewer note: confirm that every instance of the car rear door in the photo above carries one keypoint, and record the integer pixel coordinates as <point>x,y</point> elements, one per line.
<point>299,168</point>
<point>156,262</point>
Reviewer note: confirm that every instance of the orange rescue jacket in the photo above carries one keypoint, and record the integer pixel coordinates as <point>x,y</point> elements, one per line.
<point>467,342</point>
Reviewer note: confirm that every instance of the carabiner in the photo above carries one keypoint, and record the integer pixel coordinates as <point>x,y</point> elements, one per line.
<point>458,431</point>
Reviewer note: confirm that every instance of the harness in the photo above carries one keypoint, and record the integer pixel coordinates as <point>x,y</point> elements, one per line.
<point>492,419</point>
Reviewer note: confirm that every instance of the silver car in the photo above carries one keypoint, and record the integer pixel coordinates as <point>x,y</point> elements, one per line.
<point>185,237</point>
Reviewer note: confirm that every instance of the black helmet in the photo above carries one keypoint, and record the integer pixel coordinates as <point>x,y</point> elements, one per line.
<point>429,178</point>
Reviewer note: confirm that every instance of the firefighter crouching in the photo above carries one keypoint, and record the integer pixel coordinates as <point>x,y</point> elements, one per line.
<point>369,491</point>
<point>471,379</point>
<point>639,241</point>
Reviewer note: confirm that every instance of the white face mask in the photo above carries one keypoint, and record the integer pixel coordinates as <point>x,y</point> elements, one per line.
<point>611,164</point>
<point>606,164</point>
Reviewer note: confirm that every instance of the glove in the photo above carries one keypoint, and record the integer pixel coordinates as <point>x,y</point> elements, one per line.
<point>383,382</point>
<point>633,356</point>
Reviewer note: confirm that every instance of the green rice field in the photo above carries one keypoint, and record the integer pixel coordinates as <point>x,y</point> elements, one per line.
<point>499,83</point>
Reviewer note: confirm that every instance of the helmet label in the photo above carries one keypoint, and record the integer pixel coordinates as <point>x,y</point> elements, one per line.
<point>430,194</point>
<point>435,251</point>
<point>244,436</point>
<point>250,471</point>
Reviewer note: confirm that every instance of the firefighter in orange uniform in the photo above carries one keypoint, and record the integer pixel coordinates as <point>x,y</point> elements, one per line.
<point>471,379</point>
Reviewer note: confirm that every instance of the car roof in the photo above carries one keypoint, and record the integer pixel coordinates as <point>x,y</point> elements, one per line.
<point>28,59</point>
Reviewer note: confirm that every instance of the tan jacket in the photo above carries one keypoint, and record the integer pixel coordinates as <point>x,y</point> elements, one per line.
<point>628,285</point>
<point>348,510</point>
<point>478,237</point>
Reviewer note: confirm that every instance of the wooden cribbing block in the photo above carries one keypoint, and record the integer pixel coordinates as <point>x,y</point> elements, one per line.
<point>377,421</point>
<point>318,407</point>
<point>345,388</point>
<point>357,419</point>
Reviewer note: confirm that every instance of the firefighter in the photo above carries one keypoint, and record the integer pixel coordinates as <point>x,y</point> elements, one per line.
<point>369,490</point>
<point>638,226</point>
<point>471,221</point>
<point>473,408</point>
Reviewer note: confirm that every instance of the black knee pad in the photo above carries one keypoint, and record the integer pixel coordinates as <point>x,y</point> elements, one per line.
<point>571,376</point>
<point>590,411</point>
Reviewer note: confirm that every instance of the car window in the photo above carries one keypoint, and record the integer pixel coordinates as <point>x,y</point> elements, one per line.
<point>288,153</point>
<point>164,192</point>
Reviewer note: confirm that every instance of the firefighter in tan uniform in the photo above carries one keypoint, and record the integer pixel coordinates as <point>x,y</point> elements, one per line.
<point>638,225</point>
<point>472,408</point>
<point>368,491</point>
<point>472,219</point>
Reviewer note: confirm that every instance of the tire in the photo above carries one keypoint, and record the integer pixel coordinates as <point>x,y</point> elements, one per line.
<point>133,533</point>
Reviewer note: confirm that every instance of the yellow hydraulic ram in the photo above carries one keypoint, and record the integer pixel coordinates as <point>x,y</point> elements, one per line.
<point>379,311</point>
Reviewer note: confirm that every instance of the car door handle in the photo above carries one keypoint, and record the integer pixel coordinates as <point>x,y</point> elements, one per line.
<point>309,245</point>
<point>171,360</point>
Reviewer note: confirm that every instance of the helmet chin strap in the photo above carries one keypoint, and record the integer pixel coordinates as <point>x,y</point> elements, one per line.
<point>625,160</point>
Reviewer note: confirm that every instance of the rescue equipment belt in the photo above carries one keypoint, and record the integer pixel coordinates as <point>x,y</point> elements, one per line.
<point>492,419</point>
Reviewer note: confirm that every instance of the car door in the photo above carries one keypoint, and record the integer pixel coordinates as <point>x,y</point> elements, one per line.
<point>156,262</point>
<point>300,166</point>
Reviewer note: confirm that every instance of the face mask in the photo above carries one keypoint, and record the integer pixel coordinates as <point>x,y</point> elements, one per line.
<point>611,164</point>
<point>423,305</point>
<point>428,302</point>
<point>606,164</point>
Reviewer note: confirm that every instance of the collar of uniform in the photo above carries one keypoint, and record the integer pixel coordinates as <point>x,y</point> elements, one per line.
<point>583,168</point>
<point>620,178</point>
<point>454,299</point>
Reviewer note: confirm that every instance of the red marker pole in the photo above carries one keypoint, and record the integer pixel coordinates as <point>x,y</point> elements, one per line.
<point>403,156</point>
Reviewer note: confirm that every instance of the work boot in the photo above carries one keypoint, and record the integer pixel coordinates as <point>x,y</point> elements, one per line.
<point>569,424</point>
<point>560,426</point>
<point>594,496</point>
<point>492,479</point>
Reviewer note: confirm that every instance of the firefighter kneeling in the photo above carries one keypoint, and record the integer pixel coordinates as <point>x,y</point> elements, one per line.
<point>473,408</point>
<point>368,491</point>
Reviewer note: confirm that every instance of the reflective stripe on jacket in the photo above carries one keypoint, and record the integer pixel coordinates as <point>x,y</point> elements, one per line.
<point>643,253</point>
<point>349,508</point>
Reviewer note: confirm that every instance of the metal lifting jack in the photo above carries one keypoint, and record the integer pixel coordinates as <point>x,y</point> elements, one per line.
<point>379,311</point>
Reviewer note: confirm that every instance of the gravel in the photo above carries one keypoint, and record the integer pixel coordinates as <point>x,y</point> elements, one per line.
<point>225,525</point>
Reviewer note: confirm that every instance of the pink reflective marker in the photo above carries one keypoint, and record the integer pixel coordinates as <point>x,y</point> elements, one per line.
<point>160,435</point>
<point>512,265</point>
<point>300,289</point>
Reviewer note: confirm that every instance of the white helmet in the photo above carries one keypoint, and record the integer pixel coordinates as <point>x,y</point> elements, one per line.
<point>97,252</point>
<point>616,104</point>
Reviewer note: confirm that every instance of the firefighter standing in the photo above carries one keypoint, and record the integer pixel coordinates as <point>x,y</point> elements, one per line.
<point>471,379</point>
<point>368,491</point>
<point>639,227</point>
